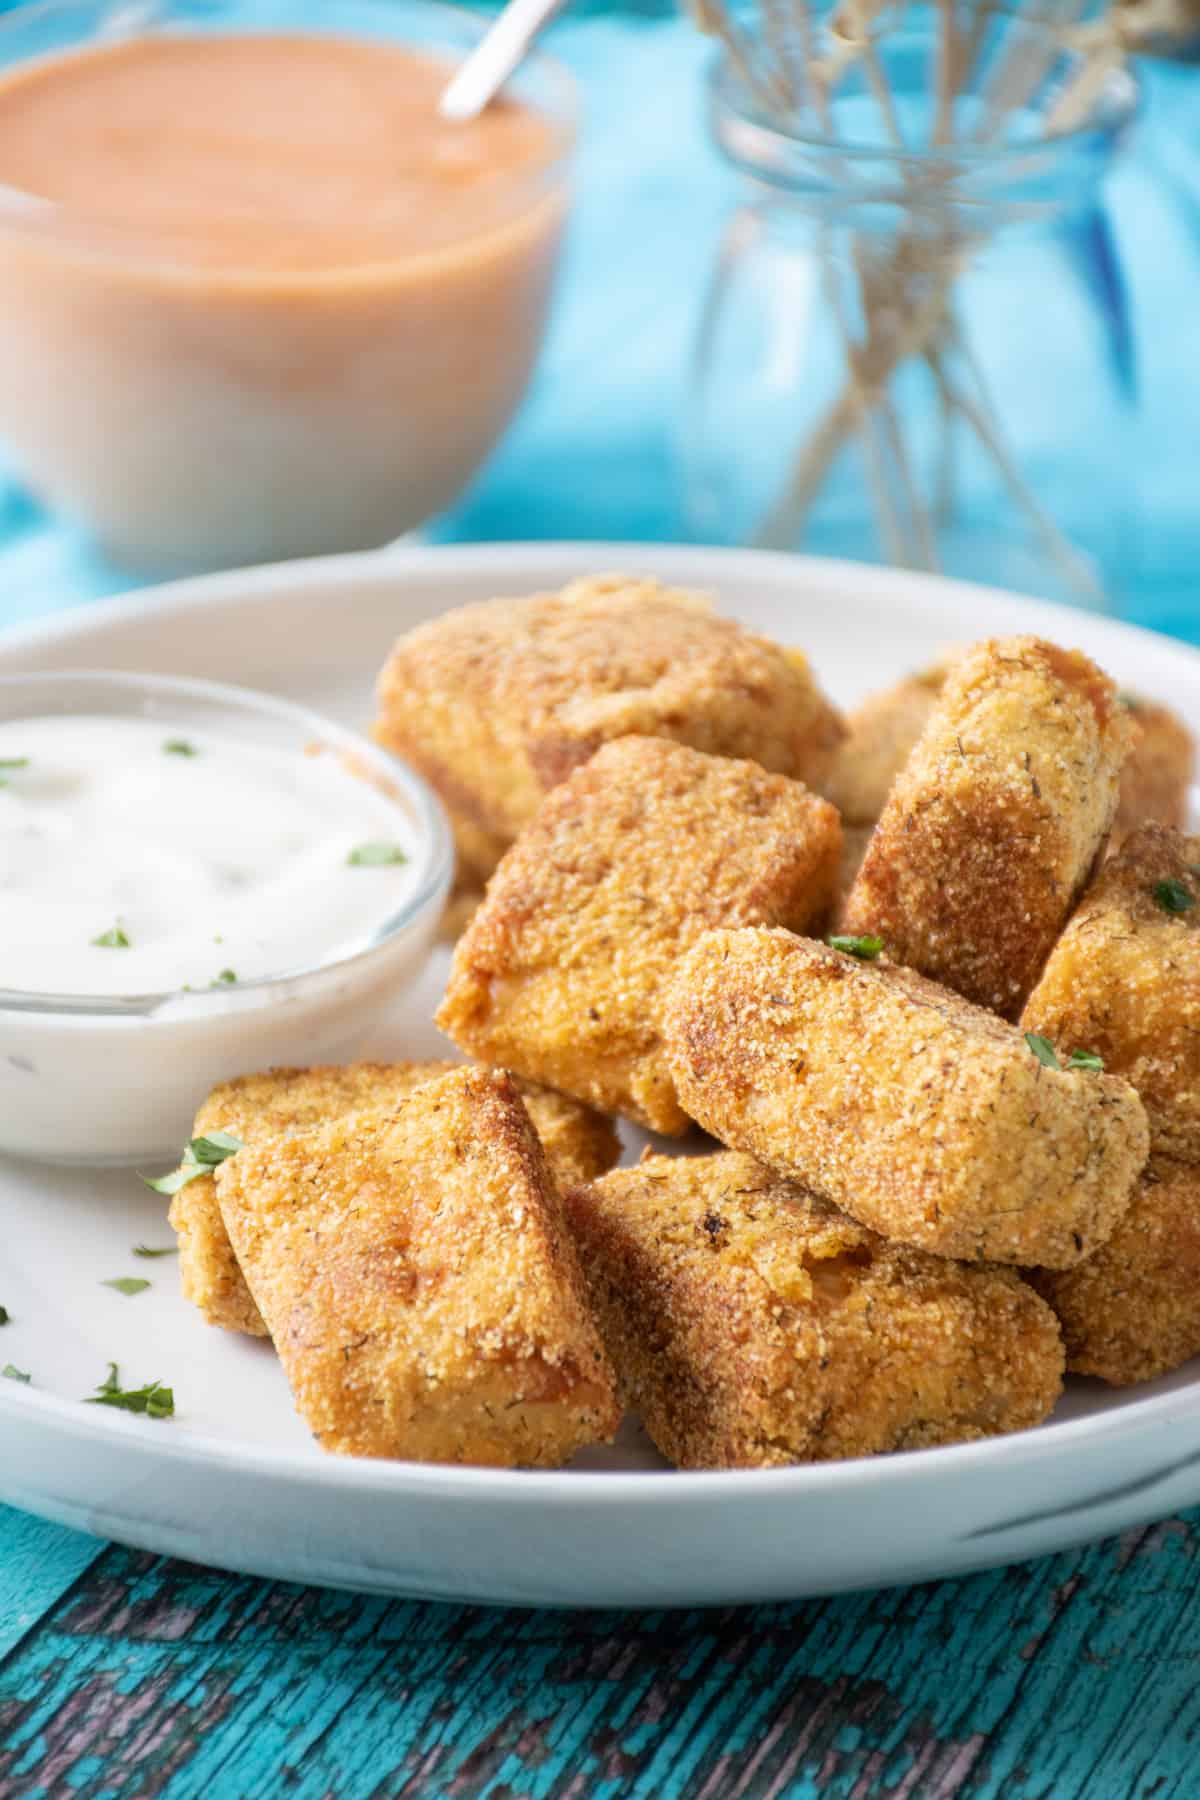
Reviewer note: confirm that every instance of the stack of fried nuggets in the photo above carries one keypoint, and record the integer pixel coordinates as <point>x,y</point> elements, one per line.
<point>910,1186</point>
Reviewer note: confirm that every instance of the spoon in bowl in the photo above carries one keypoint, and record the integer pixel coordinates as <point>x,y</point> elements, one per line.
<point>479,79</point>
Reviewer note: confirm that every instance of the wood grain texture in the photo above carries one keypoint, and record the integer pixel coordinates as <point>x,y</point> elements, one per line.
<point>1073,1678</point>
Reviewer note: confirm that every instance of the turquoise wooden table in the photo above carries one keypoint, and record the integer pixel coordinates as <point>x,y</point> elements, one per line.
<point>1075,1678</point>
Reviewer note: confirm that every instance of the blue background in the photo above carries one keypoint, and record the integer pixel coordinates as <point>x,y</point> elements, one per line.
<point>1076,1677</point>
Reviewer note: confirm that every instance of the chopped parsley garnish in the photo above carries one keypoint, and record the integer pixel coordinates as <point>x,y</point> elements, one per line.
<point>14,1374</point>
<point>112,939</point>
<point>1173,897</point>
<point>14,762</point>
<point>5,1316</point>
<point>154,1400</point>
<point>1043,1049</point>
<point>375,856</point>
<point>179,747</point>
<point>227,978</point>
<point>201,1155</point>
<point>1045,1052</point>
<point>865,948</point>
<point>148,1250</point>
<point>129,1285</point>
<point>1129,700</point>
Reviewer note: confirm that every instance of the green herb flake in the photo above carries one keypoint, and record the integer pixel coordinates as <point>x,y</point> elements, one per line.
<point>1173,896</point>
<point>5,1316</point>
<point>1132,702</point>
<point>154,1400</point>
<point>1043,1049</point>
<point>149,1250</point>
<point>1084,1059</point>
<point>865,948</point>
<point>375,856</point>
<point>129,1285</point>
<point>14,762</point>
<point>201,1155</point>
<point>11,1373</point>
<point>112,939</point>
<point>227,978</point>
<point>179,747</point>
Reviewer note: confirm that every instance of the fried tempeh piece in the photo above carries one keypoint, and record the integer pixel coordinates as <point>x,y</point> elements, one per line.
<point>1124,981</point>
<point>579,1144</point>
<point>926,1118</point>
<point>1158,770</point>
<point>497,702</point>
<point>559,974</point>
<point>419,1281</point>
<point>1132,1310</point>
<point>881,734</point>
<point>754,1324</point>
<point>995,822</point>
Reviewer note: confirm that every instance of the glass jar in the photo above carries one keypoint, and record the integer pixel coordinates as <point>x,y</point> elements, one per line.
<point>919,356</point>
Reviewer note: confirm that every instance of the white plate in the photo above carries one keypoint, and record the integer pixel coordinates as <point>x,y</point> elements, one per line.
<point>234,1480</point>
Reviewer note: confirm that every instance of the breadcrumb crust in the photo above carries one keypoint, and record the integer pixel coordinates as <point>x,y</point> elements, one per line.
<point>753,1324</point>
<point>419,1282</point>
<point>1124,981</point>
<point>996,820</point>
<point>497,702</point>
<point>1132,1310</point>
<point>560,973</point>
<point>579,1144</point>
<point>926,1118</point>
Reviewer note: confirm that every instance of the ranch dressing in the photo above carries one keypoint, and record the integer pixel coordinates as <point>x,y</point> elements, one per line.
<point>139,859</point>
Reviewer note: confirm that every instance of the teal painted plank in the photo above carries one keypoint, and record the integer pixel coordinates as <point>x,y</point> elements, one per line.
<point>1072,1678</point>
<point>38,1563</point>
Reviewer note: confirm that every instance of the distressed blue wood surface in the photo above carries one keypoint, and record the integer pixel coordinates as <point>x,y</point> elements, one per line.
<point>1073,1677</point>
<point>1070,1679</point>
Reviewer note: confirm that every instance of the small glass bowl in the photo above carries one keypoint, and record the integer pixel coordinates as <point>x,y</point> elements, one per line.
<point>115,1080</point>
<point>191,415</point>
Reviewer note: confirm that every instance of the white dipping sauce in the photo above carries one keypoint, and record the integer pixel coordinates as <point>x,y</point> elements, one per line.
<point>217,867</point>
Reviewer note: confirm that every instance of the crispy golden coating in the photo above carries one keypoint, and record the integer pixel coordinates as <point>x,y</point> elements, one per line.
<point>461,906</point>
<point>753,1324</point>
<point>855,842</point>
<point>561,971</point>
<point>924,1117</point>
<point>1132,1311</point>
<point>579,1144</point>
<point>881,734</point>
<point>996,820</point>
<point>497,702</point>
<point>1158,770</point>
<point>1124,981</point>
<point>419,1282</point>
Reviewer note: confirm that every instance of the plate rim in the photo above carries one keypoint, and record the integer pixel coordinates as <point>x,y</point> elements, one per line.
<point>582,1487</point>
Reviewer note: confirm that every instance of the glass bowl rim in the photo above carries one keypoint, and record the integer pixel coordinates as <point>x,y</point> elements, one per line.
<point>1114,109</point>
<point>425,810</point>
<point>20,205</point>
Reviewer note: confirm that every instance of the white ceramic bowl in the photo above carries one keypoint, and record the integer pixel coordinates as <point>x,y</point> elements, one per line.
<point>116,1080</point>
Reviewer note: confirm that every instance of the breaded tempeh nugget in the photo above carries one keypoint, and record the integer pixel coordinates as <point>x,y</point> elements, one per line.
<point>579,1144</point>
<point>1158,770</point>
<point>419,1281</point>
<point>881,734</point>
<point>559,974</point>
<point>496,703</point>
<point>752,1323</point>
<point>1124,981</point>
<point>1132,1310</point>
<point>996,820</point>
<point>926,1118</point>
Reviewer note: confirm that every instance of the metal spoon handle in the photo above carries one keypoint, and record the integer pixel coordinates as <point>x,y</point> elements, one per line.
<point>495,57</point>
